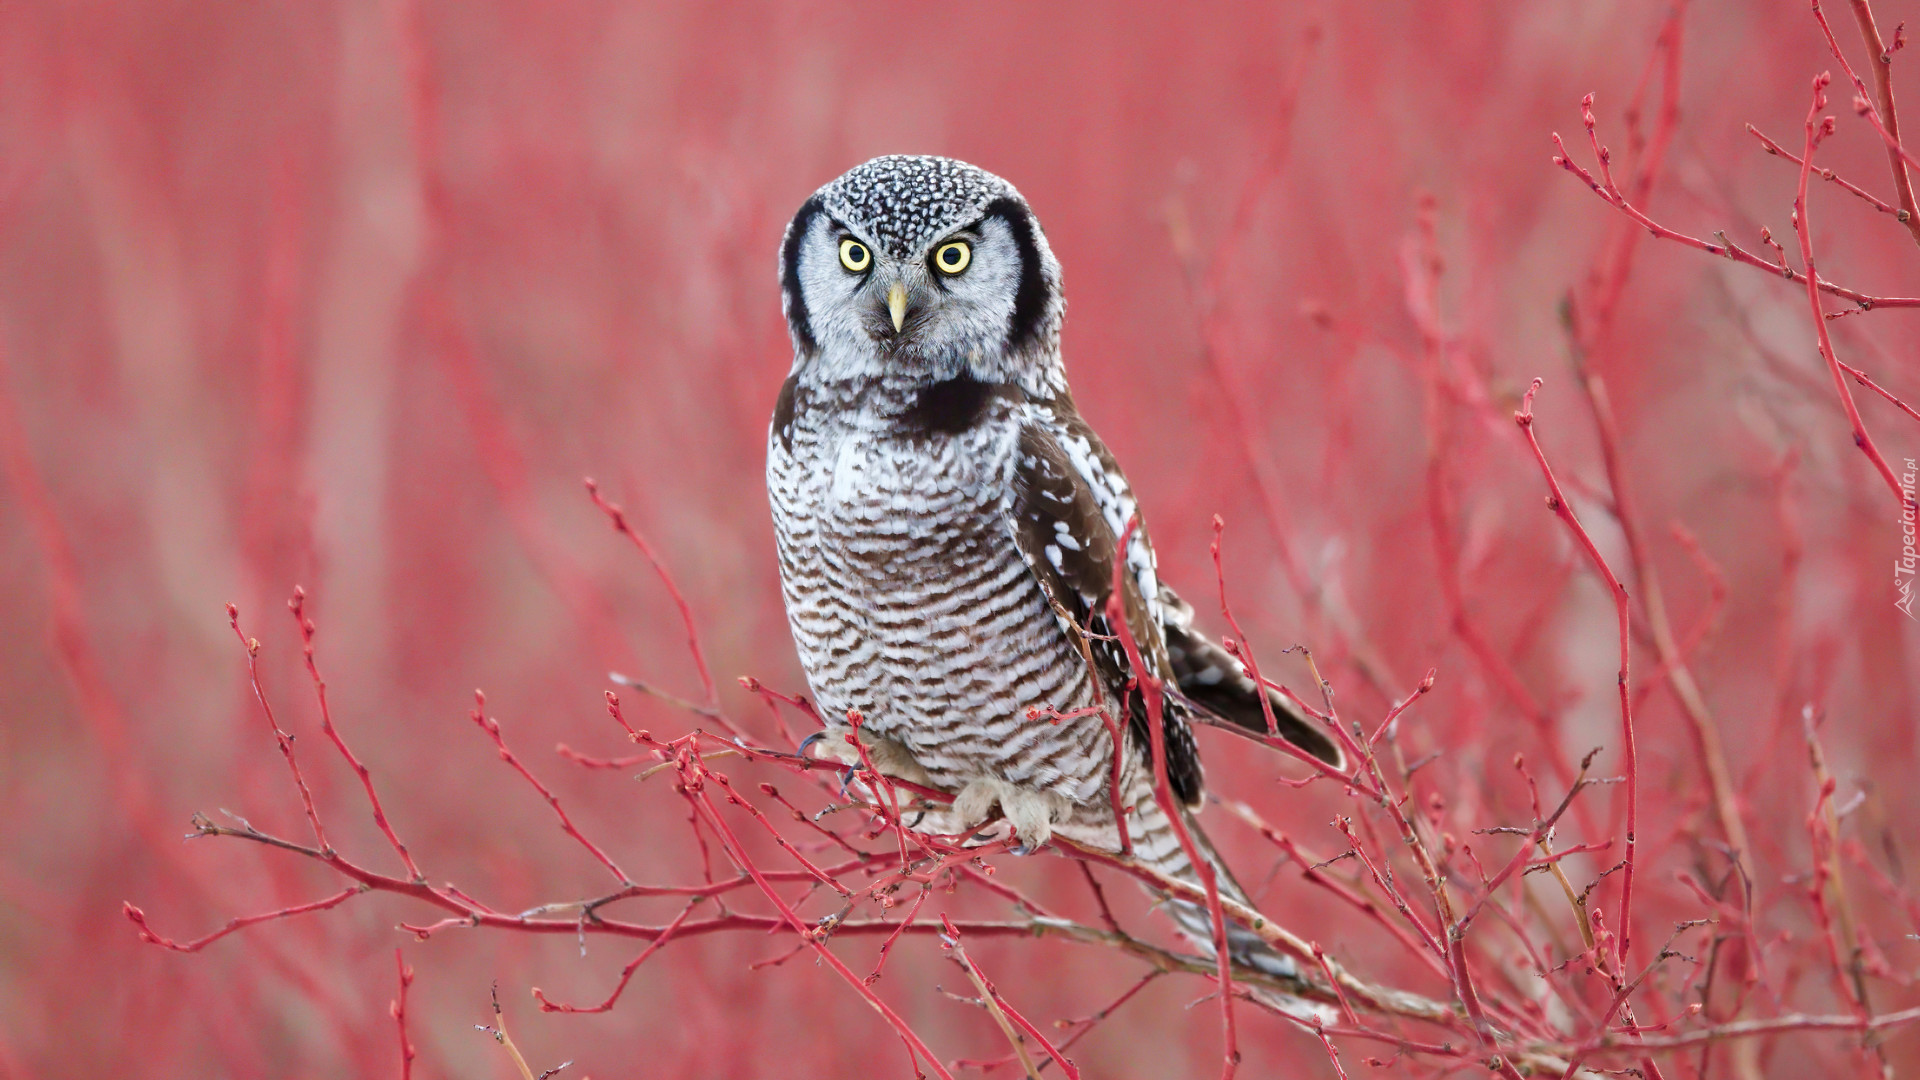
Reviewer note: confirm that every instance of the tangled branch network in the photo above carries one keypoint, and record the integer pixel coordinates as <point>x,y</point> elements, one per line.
<point>1489,944</point>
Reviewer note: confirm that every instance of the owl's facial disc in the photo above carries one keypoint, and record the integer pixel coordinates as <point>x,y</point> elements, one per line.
<point>917,305</point>
<point>880,293</point>
<point>950,298</point>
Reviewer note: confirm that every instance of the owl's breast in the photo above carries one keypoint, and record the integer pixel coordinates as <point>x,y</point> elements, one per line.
<point>882,495</point>
<point>871,518</point>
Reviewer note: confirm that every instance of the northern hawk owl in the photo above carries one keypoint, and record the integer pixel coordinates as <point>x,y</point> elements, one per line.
<point>948,526</point>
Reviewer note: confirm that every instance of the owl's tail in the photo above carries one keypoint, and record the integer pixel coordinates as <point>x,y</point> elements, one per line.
<point>1157,845</point>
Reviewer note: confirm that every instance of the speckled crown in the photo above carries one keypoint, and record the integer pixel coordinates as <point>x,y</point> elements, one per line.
<point>906,201</point>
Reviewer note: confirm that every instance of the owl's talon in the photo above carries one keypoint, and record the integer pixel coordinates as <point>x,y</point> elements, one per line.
<point>1029,813</point>
<point>830,744</point>
<point>807,744</point>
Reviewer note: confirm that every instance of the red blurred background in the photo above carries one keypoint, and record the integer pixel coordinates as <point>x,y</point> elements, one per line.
<point>352,296</point>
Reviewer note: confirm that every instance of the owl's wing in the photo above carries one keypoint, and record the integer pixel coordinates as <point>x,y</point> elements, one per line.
<point>1067,542</point>
<point>1215,683</point>
<point>1208,678</point>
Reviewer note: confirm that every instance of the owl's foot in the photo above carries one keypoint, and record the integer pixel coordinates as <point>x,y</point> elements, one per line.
<point>1029,813</point>
<point>890,757</point>
<point>1026,815</point>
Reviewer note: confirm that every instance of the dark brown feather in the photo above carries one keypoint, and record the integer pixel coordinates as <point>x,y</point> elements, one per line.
<point>783,413</point>
<point>1071,549</point>
<point>1210,678</point>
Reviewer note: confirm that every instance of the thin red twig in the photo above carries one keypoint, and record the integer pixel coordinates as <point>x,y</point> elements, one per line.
<point>1883,117</point>
<point>237,923</point>
<point>1557,502</point>
<point>280,738</point>
<point>1242,648</point>
<point>626,973</point>
<point>1612,196</point>
<point>1828,175</point>
<point>1152,693</point>
<point>492,727</point>
<point>950,939</point>
<point>620,524</point>
<point>398,1008</point>
<point>1803,228</point>
<point>1861,378</point>
<point>697,793</point>
<point>1081,1026</point>
<point>297,606</point>
<point>591,762</point>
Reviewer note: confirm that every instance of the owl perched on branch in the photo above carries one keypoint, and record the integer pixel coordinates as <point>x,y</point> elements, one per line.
<point>948,528</point>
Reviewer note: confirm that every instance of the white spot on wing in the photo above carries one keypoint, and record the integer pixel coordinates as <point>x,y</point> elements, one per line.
<point>1110,493</point>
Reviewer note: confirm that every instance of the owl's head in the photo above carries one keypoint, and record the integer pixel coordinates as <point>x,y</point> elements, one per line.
<point>923,267</point>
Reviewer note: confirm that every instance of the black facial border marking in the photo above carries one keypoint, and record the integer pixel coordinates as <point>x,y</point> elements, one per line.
<point>1030,297</point>
<point>797,317</point>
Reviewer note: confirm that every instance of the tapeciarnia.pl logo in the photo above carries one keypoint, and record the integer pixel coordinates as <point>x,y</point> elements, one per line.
<point>1903,567</point>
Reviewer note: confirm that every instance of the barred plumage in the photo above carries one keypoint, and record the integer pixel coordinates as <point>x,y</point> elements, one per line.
<point>948,524</point>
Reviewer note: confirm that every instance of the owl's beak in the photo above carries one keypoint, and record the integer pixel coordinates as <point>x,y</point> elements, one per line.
<point>897,305</point>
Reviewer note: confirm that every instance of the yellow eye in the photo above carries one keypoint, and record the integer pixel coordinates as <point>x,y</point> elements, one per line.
<point>855,256</point>
<point>953,258</point>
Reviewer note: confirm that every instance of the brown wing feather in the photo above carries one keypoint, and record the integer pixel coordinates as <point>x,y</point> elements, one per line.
<point>1071,549</point>
<point>1214,682</point>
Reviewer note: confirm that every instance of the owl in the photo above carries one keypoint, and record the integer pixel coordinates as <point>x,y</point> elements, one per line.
<point>949,527</point>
